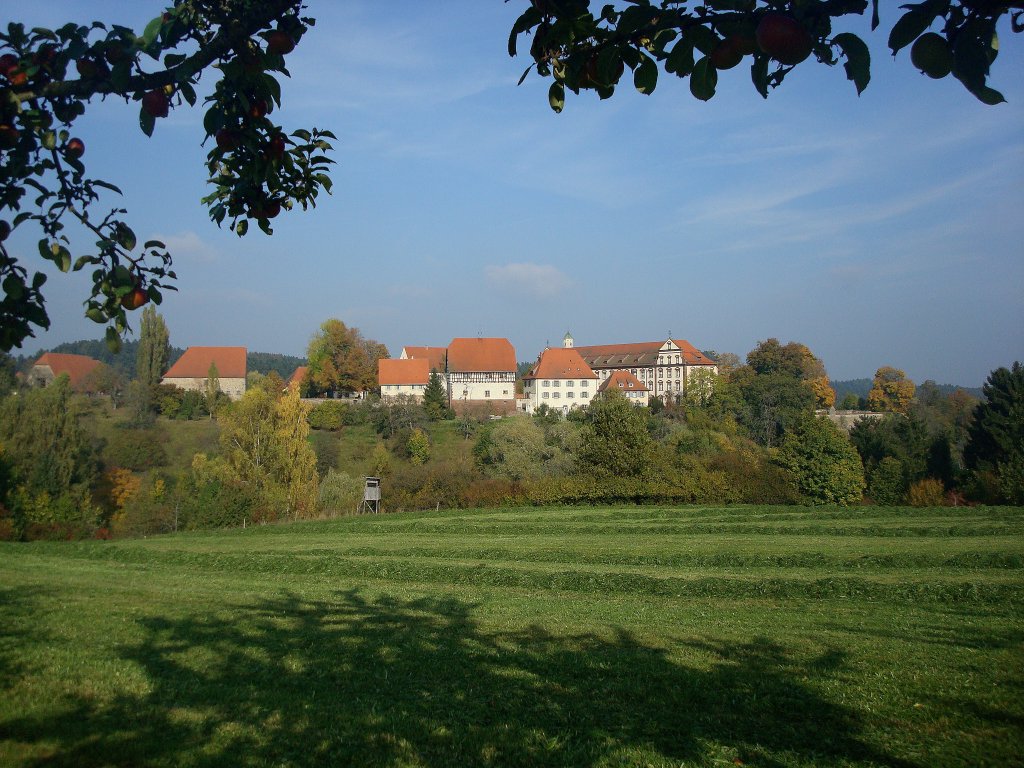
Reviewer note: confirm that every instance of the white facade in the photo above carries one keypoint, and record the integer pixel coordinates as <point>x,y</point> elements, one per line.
<point>558,394</point>
<point>667,371</point>
<point>488,385</point>
<point>391,391</point>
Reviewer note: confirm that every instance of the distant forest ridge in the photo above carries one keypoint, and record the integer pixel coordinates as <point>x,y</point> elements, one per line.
<point>124,361</point>
<point>861,388</point>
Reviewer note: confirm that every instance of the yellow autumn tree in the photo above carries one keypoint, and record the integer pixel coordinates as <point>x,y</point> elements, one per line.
<point>264,440</point>
<point>297,457</point>
<point>891,390</point>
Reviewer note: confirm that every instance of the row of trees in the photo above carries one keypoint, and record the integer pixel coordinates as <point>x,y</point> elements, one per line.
<point>69,466</point>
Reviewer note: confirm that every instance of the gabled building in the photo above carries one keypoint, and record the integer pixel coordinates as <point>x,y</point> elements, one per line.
<point>193,369</point>
<point>403,377</point>
<point>666,368</point>
<point>50,365</point>
<point>482,370</point>
<point>560,379</point>
<point>296,379</point>
<point>436,357</point>
<point>629,385</point>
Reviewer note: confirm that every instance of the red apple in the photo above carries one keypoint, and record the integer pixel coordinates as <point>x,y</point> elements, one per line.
<point>784,38</point>
<point>8,62</point>
<point>280,43</point>
<point>258,109</point>
<point>227,139</point>
<point>276,147</point>
<point>727,54</point>
<point>75,148</point>
<point>135,298</point>
<point>156,103</point>
<point>8,136</point>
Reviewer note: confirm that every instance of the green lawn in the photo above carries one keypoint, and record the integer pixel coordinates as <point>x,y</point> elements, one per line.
<point>600,637</point>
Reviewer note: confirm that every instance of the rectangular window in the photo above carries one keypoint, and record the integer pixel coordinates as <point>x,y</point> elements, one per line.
<point>504,392</point>
<point>570,394</point>
<point>585,383</point>
<point>555,384</point>
<point>569,383</point>
<point>584,394</point>
<point>556,395</point>
<point>547,383</point>
<point>544,395</point>
<point>487,393</point>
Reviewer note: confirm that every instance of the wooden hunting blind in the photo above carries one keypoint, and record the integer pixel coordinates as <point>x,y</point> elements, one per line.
<point>371,494</point>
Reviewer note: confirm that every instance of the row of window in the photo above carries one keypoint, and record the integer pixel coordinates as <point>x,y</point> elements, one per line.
<point>568,395</point>
<point>568,383</point>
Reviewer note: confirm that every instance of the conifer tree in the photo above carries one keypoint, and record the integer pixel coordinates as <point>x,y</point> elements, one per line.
<point>435,399</point>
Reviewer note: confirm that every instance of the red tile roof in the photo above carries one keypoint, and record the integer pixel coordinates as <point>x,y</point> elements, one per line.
<point>477,355</point>
<point>415,371</point>
<point>623,380</point>
<point>560,363</point>
<point>77,367</point>
<point>434,355</point>
<point>640,353</point>
<point>692,355</point>
<point>297,377</point>
<point>195,363</point>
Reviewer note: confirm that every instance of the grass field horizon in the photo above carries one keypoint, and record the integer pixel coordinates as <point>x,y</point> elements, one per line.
<point>762,636</point>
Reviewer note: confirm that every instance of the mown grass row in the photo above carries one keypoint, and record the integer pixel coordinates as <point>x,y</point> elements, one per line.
<point>551,637</point>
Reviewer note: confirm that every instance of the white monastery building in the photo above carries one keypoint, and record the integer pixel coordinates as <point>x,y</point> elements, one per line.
<point>193,369</point>
<point>667,368</point>
<point>629,385</point>
<point>560,379</point>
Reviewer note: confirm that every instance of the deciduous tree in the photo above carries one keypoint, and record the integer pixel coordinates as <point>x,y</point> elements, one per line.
<point>615,440</point>
<point>891,390</point>
<point>264,441</point>
<point>582,46</point>
<point>154,350</point>
<point>824,464</point>
<point>341,360</point>
<point>49,78</point>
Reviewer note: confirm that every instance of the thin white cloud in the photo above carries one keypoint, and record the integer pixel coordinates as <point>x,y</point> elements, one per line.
<point>538,281</point>
<point>188,245</point>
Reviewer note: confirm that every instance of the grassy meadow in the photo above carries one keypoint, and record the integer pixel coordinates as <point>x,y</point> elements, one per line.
<point>759,636</point>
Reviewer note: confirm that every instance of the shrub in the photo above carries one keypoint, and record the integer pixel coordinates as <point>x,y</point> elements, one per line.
<point>329,415</point>
<point>340,493</point>
<point>755,480</point>
<point>137,449</point>
<point>418,446</point>
<point>887,485</point>
<point>927,493</point>
<point>825,466</point>
<point>327,449</point>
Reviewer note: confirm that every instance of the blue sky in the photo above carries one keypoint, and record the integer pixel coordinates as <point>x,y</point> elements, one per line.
<point>885,229</point>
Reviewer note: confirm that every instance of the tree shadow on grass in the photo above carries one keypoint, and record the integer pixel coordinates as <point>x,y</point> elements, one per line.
<point>17,630</point>
<point>352,681</point>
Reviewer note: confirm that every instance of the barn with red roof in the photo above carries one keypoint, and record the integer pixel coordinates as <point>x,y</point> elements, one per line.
<point>194,368</point>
